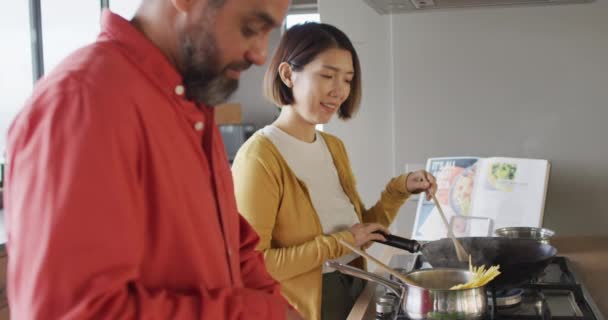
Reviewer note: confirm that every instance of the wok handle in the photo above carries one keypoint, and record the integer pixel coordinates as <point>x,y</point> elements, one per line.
<point>412,246</point>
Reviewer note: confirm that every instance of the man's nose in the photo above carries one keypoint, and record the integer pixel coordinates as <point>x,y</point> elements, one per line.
<point>258,51</point>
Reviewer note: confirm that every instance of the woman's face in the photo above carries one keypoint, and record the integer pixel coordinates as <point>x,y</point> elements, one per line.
<point>321,87</point>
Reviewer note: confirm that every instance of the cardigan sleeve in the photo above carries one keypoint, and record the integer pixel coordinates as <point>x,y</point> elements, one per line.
<point>258,192</point>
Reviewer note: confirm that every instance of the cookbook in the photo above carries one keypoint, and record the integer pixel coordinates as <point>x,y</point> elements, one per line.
<point>479,195</point>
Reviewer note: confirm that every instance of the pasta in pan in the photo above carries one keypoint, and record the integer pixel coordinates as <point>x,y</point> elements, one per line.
<point>480,278</point>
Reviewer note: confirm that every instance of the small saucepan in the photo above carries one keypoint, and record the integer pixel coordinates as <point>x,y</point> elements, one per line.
<point>432,299</point>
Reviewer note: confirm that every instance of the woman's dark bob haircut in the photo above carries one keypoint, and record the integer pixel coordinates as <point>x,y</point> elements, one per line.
<point>300,45</point>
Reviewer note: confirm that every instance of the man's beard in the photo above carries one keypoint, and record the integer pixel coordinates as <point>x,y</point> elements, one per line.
<point>203,78</point>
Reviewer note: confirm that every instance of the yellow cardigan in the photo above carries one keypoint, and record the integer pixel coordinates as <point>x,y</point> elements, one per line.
<point>278,206</point>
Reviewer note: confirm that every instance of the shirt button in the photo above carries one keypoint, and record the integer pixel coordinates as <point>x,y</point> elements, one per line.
<point>229,252</point>
<point>199,126</point>
<point>179,90</point>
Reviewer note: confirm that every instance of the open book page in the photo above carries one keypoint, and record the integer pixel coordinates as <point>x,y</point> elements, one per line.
<point>455,184</point>
<point>511,191</point>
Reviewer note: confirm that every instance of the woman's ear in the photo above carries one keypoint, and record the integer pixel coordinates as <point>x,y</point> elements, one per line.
<point>286,73</point>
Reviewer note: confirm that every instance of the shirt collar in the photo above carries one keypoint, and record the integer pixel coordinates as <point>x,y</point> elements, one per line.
<point>146,54</point>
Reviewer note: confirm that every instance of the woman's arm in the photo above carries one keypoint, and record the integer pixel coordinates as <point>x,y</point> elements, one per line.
<point>258,191</point>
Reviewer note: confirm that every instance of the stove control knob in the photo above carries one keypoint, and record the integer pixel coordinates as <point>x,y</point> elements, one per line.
<point>384,311</point>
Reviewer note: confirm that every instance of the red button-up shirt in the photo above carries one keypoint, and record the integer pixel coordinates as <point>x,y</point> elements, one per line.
<point>120,200</point>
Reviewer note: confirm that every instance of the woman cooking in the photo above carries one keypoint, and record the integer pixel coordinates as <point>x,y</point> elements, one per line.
<point>295,184</point>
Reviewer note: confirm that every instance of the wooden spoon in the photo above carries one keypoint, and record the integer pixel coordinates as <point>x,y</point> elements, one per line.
<point>379,263</point>
<point>461,252</point>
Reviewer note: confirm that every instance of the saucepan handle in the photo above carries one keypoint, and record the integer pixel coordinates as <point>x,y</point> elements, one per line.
<point>394,287</point>
<point>412,246</point>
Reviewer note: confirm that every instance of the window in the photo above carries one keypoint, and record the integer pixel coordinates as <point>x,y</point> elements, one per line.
<point>125,8</point>
<point>297,18</point>
<point>15,65</point>
<point>66,26</point>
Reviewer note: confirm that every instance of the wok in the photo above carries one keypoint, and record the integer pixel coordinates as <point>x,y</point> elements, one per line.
<point>520,260</point>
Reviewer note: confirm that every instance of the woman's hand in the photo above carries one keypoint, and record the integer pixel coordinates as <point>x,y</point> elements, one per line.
<point>421,181</point>
<point>363,233</point>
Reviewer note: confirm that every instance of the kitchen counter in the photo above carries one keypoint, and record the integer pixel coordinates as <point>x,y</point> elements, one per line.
<point>588,255</point>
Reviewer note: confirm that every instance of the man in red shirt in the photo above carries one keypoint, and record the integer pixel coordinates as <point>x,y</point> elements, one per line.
<point>119,197</point>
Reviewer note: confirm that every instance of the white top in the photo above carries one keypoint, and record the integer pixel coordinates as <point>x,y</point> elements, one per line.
<point>313,164</point>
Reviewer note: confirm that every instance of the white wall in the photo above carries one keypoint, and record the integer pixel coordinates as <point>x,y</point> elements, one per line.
<point>512,81</point>
<point>519,81</point>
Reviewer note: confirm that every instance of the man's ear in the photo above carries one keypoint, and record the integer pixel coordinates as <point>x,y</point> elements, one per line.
<point>286,74</point>
<point>182,5</point>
